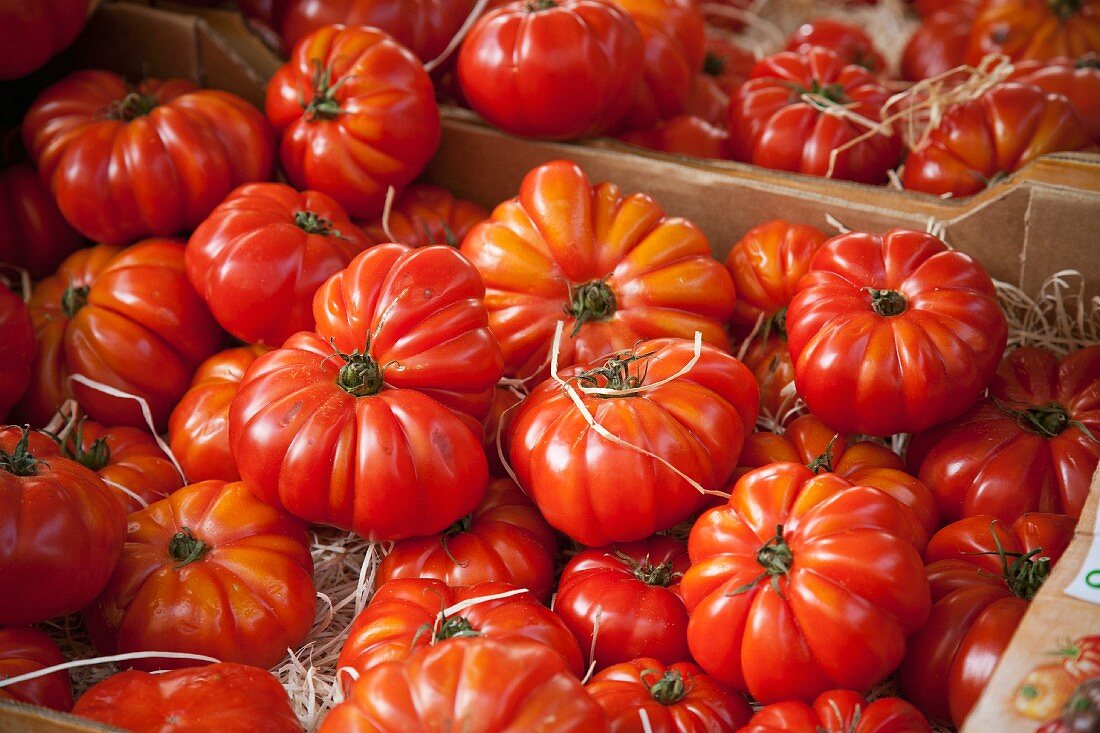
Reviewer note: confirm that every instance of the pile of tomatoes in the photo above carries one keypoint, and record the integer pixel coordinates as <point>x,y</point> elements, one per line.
<point>529,410</point>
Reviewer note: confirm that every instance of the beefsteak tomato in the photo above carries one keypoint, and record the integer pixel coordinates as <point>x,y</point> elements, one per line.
<point>1035,29</point>
<point>708,101</point>
<point>939,43</point>
<point>424,215</point>
<point>17,334</point>
<point>1078,80</point>
<point>847,40</point>
<point>33,32</point>
<point>24,649</point>
<point>33,234</point>
<point>727,63</point>
<point>839,711</point>
<point>683,135</point>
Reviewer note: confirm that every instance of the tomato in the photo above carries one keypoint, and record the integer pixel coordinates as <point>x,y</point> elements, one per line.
<point>260,256</point>
<point>31,33</point>
<point>628,597</point>
<point>496,424</point>
<point>473,685</point>
<point>771,125</point>
<point>673,48</point>
<point>683,135</point>
<point>978,142</point>
<point>1078,80</point>
<point>926,8</point>
<point>622,271</point>
<point>210,570</point>
<point>126,318</point>
<point>939,44</point>
<point>798,586</point>
<point>504,539</point>
<point>90,136</point>
<point>596,50</point>
<point>770,361</point>
<point>1030,446</point>
<point>839,711</point>
<point>1044,692</point>
<point>33,234</point>
<point>677,698</point>
<point>425,27</point>
<point>62,530</point>
<point>848,41</point>
<point>1035,29</point>
<point>982,574</point>
<point>23,650</point>
<point>1081,657</point>
<point>356,113</point>
<point>893,333</point>
<point>17,335</point>
<point>708,100</point>
<point>228,698</point>
<point>198,431</point>
<point>727,63</point>
<point>407,614</point>
<point>599,492</point>
<point>424,215</point>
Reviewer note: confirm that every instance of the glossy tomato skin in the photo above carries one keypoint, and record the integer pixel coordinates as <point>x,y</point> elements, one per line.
<point>17,335</point>
<point>772,126</point>
<point>709,101</point>
<point>198,430</point>
<point>696,422</point>
<point>33,234</point>
<point>676,698</point>
<point>632,590</point>
<point>390,627</point>
<point>57,516</point>
<point>621,269</point>
<point>975,610</point>
<point>424,215</point>
<point>1022,449</point>
<point>597,50</point>
<point>260,256</point>
<point>229,698</point>
<point>1035,29</point>
<point>727,63</point>
<point>504,540</point>
<point>366,121</point>
<point>210,570</point>
<point>862,371</point>
<point>476,685</point>
<point>24,649</point>
<point>126,318</point>
<point>1077,79</point>
<point>939,44</point>
<point>115,186</point>
<point>848,41</point>
<point>785,636</point>
<point>839,710</point>
<point>31,33</point>
<point>998,133</point>
<point>683,135</point>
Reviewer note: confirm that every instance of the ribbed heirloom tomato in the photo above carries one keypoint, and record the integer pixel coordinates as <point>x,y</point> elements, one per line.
<point>1035,29</point>
<point>939,44</point>
<point>1077,79</point>
<point>32,32</point>
<point>599,491</point>
<point>893,333</point>
<point>24,649</point>
<point>33,234</point>
<point>684,135</point>
<point>17,335</point>
<point>839,711</point>
<point>848,41</point>
<point>129,162</point>
<point>621,270</point>
<point>506,75</point>
<point>356,113</point>
<point>424,215</point>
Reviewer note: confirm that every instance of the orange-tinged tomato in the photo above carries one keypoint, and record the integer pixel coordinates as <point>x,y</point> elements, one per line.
<point>1035,29</point>
<point>424,215</point>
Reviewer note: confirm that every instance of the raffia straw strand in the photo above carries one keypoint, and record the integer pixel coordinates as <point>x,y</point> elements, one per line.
<point>475,13</point>
<point>752,335</point>
<point>103,660</point>
<point>387,210</point>
<point>597,617</point>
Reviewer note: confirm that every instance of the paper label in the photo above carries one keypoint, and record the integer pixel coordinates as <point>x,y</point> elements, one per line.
<point>1086,585</point>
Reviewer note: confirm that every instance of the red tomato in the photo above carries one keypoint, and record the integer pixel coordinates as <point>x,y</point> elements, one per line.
<point>796,587</point>
<point>893,333</point>
<point>126,318</point>
<point>847,40</point>
<point>23,650</point>
<point>1035,29</point>
<point>839,711</point>
<point>496,424</point>
<point>91,134</point>
<point>32,32</point>
<point>210,570</point>
<point>1081,657</point>
<point>770,362</point>
<point>982,574</point>
<point>708,100</point>
<point>228,698</point>
<point>407,614</point>
<point>424,215</point>
<point>630,592</point>
<point>939,44</point>
<point>1078,80</point>
<point>425,27</point>
<point>504,540</point>
<point>477,685</point>
<point>1030,446</point>
<point>677,698</point>
<point>727,63</point>
<point>260,256</point>
<point>622,271</point>
<point>772,125</point>
<point>198,431</point>
<point>683,135</point>
<point>33,234</point>
<point>505,75</point>
<point>356,114</point>
<point>977,143</point>
<point>695,422</point>
<point>17,335</point>
<point>55,517</point>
